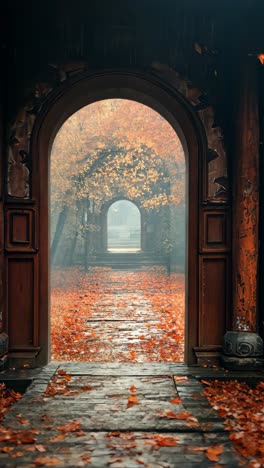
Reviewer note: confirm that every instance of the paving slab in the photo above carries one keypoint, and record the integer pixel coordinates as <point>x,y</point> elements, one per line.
<point>101,429</point>
<point>125,316</point>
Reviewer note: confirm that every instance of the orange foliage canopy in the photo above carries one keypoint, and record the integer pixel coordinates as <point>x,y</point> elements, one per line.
<point>116,143</point>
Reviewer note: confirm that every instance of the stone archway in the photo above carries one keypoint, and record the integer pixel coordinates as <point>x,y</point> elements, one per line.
<point>27,205</point>
<point>104,222</point>
<point>123,226</point>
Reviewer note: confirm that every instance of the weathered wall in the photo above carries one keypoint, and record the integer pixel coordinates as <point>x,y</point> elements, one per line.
<point>187,45</point>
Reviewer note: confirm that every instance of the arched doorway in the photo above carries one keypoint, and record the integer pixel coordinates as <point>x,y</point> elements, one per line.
<point>123,227</point>
<point>100,156</point>
<point>171,105</point>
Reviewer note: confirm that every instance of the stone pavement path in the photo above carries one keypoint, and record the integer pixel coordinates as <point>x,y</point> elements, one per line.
<point>116,415</point>
<point>118,316</point>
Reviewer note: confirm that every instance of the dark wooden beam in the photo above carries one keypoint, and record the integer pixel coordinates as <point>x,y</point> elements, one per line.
<point>246,199</point>
<point>243,347</point>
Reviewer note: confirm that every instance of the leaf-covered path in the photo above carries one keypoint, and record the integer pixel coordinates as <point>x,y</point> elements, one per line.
<point>107,315</point>
<point>115,415</point>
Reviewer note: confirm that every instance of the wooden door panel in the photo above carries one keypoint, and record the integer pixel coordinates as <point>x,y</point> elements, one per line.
<point>214,291</point>
<point>20,230</point>
<point>22,298</point>
<point>215,231</point>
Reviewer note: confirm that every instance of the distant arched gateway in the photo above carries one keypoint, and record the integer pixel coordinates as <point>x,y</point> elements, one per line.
<point>123,227</point>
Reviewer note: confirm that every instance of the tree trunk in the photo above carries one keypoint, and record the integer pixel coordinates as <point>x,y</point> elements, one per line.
<point>87,235</point>
<point>69,257</point>
<point>59,228</point>
<point>86,250</point>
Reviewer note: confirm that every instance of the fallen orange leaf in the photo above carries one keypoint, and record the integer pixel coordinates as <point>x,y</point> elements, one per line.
<point>214,451</point>
<point>40,448</point>
<point>86,388</point>
<point>47,461</point>
<point>132,400</point>
<point>86,458</point>
<point>163,441</point>
<point>24,421</point>
<point>6,449</point>
<point>70,427</point>
<point>17,454</point>
<point>27,439</point>
<point>58,438</point>
<point>180,378</point>
<point>184,415</point>
<point>175,401</point>
<point>205,382</point>
<point>133,355</point>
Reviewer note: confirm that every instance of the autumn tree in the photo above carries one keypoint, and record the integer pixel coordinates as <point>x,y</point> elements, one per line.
<point>113,148</point>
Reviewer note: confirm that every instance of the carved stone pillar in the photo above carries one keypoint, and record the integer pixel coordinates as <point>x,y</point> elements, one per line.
<point>243,347</point>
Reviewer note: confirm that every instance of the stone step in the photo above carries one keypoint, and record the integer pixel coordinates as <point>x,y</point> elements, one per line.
<point>127,255</point>
<point>127,260</point>
<point>125,265</point>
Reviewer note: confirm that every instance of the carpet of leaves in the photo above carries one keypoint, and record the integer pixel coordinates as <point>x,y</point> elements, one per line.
<point>243,410</point>
<point>107,315</point>
<point>7,399</point>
